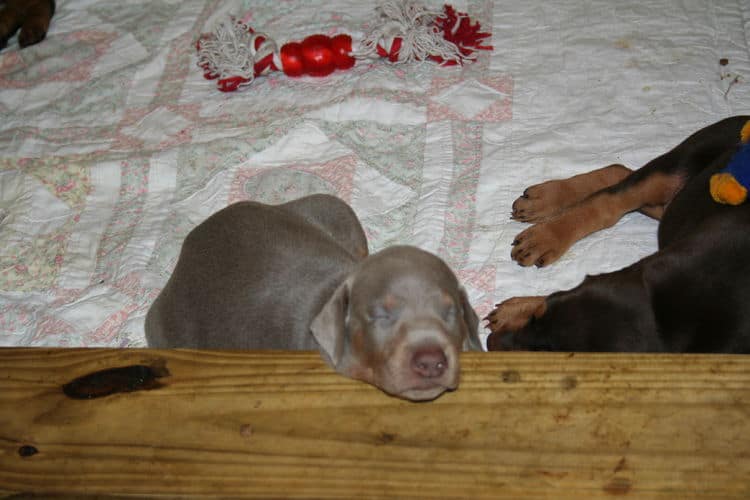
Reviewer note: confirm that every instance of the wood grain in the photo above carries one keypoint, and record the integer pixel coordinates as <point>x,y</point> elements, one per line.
<point>273,425</point>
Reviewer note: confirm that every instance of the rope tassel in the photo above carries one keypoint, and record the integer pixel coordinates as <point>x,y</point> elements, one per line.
<point>234,54</point>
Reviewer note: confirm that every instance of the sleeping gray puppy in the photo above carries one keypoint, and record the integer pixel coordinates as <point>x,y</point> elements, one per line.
<point>298,276</point>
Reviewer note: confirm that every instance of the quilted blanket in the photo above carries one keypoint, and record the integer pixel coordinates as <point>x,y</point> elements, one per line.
<point>113,145</point>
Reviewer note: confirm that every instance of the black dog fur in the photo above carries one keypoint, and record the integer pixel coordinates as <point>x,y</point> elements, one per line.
<point>692,295</point>
<point>32,17</point>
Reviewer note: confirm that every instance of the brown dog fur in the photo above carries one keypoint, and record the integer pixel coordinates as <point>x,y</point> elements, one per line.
<point>31,17</point>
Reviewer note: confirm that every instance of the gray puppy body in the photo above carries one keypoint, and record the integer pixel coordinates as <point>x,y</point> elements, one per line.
<point>297,276</point>
<point>237,266</point>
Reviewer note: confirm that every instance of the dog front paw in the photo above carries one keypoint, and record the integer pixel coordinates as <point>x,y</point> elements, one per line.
<point>31,16</point>
<point>541,244</point>
<point>514,313</point>
<point>511,316</point>
<point>33,31</point>
<point>542,201</point>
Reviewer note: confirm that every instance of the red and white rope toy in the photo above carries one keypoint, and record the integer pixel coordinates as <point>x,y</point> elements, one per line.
<point>235,54</point>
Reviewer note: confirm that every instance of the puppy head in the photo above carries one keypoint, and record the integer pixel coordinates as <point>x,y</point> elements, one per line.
<point>398,322</point>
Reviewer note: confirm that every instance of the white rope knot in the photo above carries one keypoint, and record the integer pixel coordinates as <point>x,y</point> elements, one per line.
<point>232,52</point>
<point>414,25</point>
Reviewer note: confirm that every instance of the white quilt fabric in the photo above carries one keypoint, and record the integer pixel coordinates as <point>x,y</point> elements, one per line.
<point>113,146</point>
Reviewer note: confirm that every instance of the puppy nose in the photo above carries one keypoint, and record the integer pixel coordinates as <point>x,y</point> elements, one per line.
<point>429,362</point>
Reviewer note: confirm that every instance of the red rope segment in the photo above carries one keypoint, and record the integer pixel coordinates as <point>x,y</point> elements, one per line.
<point>235,54</point>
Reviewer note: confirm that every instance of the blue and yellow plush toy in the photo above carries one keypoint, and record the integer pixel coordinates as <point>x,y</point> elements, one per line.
<point>730,185</point>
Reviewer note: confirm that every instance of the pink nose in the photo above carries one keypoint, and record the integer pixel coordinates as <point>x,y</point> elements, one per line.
<point>429,362</point>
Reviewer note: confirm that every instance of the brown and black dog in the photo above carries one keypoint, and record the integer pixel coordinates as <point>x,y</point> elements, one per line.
<point>32,17</point>
<point>692,295</point>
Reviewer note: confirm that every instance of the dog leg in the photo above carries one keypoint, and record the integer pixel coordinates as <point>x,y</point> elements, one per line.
<point>681,299</point>
<point>35,26</point>
<point>542,201</point>
<point>648,190</point>
<point>544,242</point>
<point>606,312</point>
<point>31,16</point>
<point>10,21</point>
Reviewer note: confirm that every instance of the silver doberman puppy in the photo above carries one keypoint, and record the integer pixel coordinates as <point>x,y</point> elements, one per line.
<point>298,276</point>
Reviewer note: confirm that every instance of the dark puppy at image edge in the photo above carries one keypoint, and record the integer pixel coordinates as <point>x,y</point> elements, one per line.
<point>32,17</point>
<point>298,276</point>
<point>692,295</point>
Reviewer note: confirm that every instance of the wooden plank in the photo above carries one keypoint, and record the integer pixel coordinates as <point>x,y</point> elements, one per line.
<point>267,425</point>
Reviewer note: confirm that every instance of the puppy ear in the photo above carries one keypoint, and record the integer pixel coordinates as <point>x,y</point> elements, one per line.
<point>471,321</point>
<point>329,326</point>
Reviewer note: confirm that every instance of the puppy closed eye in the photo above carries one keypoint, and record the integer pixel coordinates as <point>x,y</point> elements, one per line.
<point>449,312</point>
<point>382,315</point>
